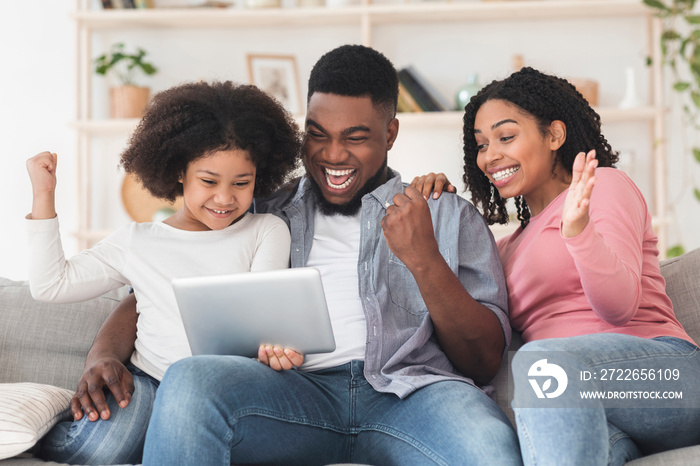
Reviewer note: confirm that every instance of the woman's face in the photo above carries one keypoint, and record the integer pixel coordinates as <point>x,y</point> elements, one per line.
<point>217,190</point>
<point>514,154</point>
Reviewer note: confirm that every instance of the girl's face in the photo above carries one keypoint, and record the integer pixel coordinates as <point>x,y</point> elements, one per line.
<point>217,190</point>
<point>516,157</point>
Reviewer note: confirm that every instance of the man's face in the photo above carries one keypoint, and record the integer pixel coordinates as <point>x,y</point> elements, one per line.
<point>345,149</point>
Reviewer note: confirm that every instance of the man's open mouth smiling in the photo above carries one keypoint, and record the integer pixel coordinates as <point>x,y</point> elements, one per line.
<point>339,179</point>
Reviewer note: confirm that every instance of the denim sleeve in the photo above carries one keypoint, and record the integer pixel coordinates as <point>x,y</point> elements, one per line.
<point>480,269</point>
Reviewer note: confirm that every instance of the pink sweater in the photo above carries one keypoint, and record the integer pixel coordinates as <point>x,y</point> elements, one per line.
<point>606,279</point>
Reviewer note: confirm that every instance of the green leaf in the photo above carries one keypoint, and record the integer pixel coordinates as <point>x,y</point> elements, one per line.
<point>670,34</point>
<point>656,4</point>
<point>682,48</point>
<point>681,86</point>
<point>696,98</point>
<point>148,68</point>
<point>693,19</point>
<point>675,251</point>
<point>696,191</point>
<point>696,154</point>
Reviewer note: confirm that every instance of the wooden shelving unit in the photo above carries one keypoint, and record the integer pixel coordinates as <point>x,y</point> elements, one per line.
<point>365,17</point>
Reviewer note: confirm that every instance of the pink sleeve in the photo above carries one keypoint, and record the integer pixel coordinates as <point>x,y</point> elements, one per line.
<point>608,252</point>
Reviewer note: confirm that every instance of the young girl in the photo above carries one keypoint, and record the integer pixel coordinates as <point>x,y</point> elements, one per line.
<point>583,277</point>
<point>217,145</point>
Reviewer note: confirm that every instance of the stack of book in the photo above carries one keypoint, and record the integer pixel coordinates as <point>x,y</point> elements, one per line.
<point>416,94</point>
<point>121,4</point>
<point>139,4</point>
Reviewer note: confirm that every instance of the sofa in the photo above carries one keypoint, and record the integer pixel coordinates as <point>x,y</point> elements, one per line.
<point>43,348</point>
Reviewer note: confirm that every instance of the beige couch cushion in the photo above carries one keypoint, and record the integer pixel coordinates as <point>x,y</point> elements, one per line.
<point>47,343</point>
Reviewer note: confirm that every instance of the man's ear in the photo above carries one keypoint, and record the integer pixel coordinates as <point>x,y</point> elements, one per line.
<point>391,132</point>
<point>557,134</point>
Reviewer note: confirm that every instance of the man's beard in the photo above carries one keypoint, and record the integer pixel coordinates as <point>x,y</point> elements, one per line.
<point>353,206</point>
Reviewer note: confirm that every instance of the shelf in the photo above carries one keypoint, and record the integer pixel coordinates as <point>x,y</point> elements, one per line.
<point>216,17</point>
<point>426,119</point>
<point>366,18</point>
<point>384,13</point>
<point>500,10</point>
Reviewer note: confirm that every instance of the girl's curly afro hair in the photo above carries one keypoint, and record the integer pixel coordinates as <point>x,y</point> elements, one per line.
<point>195,119</point>
<point>546,98</point>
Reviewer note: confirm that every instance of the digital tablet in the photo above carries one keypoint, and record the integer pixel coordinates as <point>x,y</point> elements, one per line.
<point>235,314</point>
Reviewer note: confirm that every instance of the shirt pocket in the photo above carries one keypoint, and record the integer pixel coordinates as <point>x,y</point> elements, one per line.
<point>403,289</point>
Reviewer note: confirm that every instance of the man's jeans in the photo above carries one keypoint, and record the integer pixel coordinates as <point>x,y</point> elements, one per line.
<point>114,441</point>
<point>629,421</point>
<point>218,410</point>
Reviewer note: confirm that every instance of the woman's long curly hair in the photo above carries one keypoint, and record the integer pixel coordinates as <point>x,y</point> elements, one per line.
<point>546,98</point>
<point>193,120</point>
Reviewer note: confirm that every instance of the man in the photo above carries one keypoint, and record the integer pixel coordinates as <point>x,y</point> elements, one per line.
<point>416,295</point>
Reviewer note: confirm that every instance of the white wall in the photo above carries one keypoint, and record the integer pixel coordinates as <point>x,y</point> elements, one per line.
<point>38,101</point>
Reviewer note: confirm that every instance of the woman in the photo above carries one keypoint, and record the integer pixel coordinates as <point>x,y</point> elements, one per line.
<point>583,279</point>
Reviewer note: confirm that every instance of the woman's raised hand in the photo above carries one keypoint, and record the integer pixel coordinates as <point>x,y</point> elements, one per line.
<point>42,173</point>
<point>574,217</point>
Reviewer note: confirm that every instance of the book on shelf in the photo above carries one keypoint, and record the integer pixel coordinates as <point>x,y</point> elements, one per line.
<point>437,96</point>
<point>107,4</point>
<point>420,94</point>
<point>406,101</point>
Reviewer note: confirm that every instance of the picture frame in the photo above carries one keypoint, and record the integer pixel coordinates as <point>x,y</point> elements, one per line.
<point>278,76</point>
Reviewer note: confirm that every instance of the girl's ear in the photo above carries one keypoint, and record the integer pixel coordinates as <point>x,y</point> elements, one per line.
<point>179,178</point>
<point>557,134</point>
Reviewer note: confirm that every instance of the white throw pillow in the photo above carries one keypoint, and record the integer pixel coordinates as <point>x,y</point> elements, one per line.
<point>27,412</point>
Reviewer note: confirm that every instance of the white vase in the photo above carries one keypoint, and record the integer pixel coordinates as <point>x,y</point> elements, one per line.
<point>631,98</point>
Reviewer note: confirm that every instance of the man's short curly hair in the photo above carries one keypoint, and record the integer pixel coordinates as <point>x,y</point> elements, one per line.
<point>357,71</point>
<point>546,98</point>
<point>192,120</point>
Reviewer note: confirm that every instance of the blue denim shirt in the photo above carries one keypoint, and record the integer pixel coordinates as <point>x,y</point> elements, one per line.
<point>402,352</point>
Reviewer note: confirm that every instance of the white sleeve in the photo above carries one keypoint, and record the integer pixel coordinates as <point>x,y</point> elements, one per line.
<point>89,274</point>
<point>274,243</point>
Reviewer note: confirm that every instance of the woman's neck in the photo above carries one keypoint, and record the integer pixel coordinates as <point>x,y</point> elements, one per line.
<point>542,197</point>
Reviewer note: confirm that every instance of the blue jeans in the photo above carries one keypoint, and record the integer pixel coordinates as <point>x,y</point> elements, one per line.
<point>218,410</point>
<point>114,441</point>
<point>606,431</point>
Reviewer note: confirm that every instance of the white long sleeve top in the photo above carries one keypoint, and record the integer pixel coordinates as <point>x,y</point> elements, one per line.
<point>148,256</point>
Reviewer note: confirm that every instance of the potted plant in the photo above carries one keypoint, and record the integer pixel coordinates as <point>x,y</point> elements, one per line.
<point>126,100</point>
